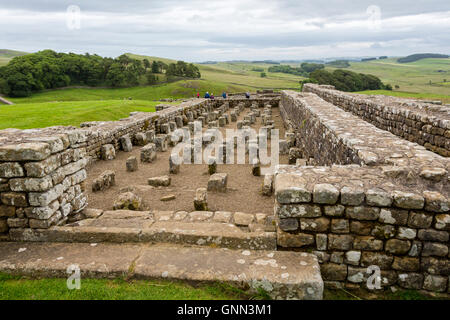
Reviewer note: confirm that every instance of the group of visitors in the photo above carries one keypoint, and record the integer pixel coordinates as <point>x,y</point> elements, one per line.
<point>224,95</point>
<point>211,95</point>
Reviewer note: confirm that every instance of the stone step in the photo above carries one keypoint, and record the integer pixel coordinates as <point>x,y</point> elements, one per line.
<point>282,274</point>
<point>212,234</point>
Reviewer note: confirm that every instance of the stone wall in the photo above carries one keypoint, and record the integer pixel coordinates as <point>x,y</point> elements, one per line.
<point>373,200</point>
<point>423,123</point>
<point>42,170</point>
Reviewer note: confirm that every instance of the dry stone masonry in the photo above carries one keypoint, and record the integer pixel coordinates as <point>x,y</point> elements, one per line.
<point>372,198</point>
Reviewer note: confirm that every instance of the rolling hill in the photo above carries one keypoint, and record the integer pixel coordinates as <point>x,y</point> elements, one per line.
<point>6,55</point>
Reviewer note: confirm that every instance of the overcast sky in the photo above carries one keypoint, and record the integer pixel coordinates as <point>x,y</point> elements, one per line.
<point>194,30</point>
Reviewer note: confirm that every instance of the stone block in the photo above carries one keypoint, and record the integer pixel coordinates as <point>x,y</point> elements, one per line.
<point>218,182</point>
<point>325,194</point>
<point>132,164</point>
<point>200,200</point>
<point>108,152</point>
<point>148,153</point>
<point>162,181</point>
<point>125,143</point>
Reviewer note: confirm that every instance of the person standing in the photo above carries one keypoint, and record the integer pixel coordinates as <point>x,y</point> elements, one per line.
<point>224,95</point>
<point>247,95</point>
<point>198,95</point>
<point>207,96</point>
<point>212,96</point>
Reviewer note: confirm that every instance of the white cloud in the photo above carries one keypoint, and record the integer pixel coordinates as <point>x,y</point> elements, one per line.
<point>215,30</point>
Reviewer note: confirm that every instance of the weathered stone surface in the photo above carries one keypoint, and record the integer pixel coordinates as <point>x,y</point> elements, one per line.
<point>325,194</point>
<point>128,201</point>
<point>367,243</point>
<point>132,164</point>
<point>289,224</point>
<point>434,249</point>
<point>340,242</point>
<point>340,226</point>
<point>17,222</point>
<point>393,216</point>
<point>337,257</point>
<point>3,226</point>
<point>334,211</point>
<point>435,266</point>
<point>442,222</point>
<point>200,200</point>
<point>105,181</point>
<point>381,260</point>
<point>315,224</point>
<point>140,139</point>
<point>291,189</point>
<point>408,200</point>
<point>243,219</point>
<point>174,164</point>
<point>11,170</point>
<point>161,142</point>
<point>162,181</point>
<point>321,241</point>
<point>396,246</point>
<point>363,213</point>
<point>218,182</point>
<point>222,216</point>
<point>108,152</point>
<point>378,198</point>
<point>125,143</point>
<point>148,153</point>
<point>352,257</point>
<point>352,196</point>
<point>435,283</point>
<point>435,202</point>
<point>406,264</point>
<point>420,220</point>
<point>267,185</point>
<point>288,240</point>
<point>169,197</point>
<point>298,210</point>
<point>25,152</point>
<point>433,235</point>
<point>410,280</point>
<point>42,168</point>
<point>198,216</point>
<point>361,227</point>
<point>406,233</point>
<point>31,184</point>
<point>332,271</point>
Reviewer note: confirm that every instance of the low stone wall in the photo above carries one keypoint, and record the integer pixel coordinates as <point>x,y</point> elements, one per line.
<point>42,170</point>
<point>422,123</point>
<point>374,199</point>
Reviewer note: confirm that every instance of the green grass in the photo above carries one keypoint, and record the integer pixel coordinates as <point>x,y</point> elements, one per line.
<point>21,288</point>
<point>412,77</point>
<point>179,89</point>
<point>39,115</point>
<point>413,95</point>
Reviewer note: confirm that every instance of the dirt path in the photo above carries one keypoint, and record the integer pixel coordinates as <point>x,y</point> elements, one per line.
<point>244,189</point>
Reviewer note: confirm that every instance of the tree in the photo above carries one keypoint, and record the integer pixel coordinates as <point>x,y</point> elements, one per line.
<point>263,74</point>
<point>155,67</point>
<point>146,64</point>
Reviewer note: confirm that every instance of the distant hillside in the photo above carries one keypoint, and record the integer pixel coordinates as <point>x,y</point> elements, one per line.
<point>5,53</point>
<point>150,58</point>
<point>420,56</point>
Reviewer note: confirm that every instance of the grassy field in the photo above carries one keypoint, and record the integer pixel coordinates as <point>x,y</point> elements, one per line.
<point>20,288</point>
<point>23,288</point>
<point>412,77</point>
<point>412,95</point>
<point>45,114</point>
<point>179,89</point>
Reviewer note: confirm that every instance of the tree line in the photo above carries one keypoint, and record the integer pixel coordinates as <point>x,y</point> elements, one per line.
<point>304,70</point>
<point>345,80</point>
<point>49,70</point>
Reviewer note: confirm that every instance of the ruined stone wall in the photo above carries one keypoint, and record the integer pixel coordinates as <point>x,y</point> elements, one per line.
<point>42,170</point>
<point>422,123</point>
<point>386,204</point>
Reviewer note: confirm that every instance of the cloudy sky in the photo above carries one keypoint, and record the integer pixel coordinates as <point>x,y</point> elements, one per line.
<point>195,30</point>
